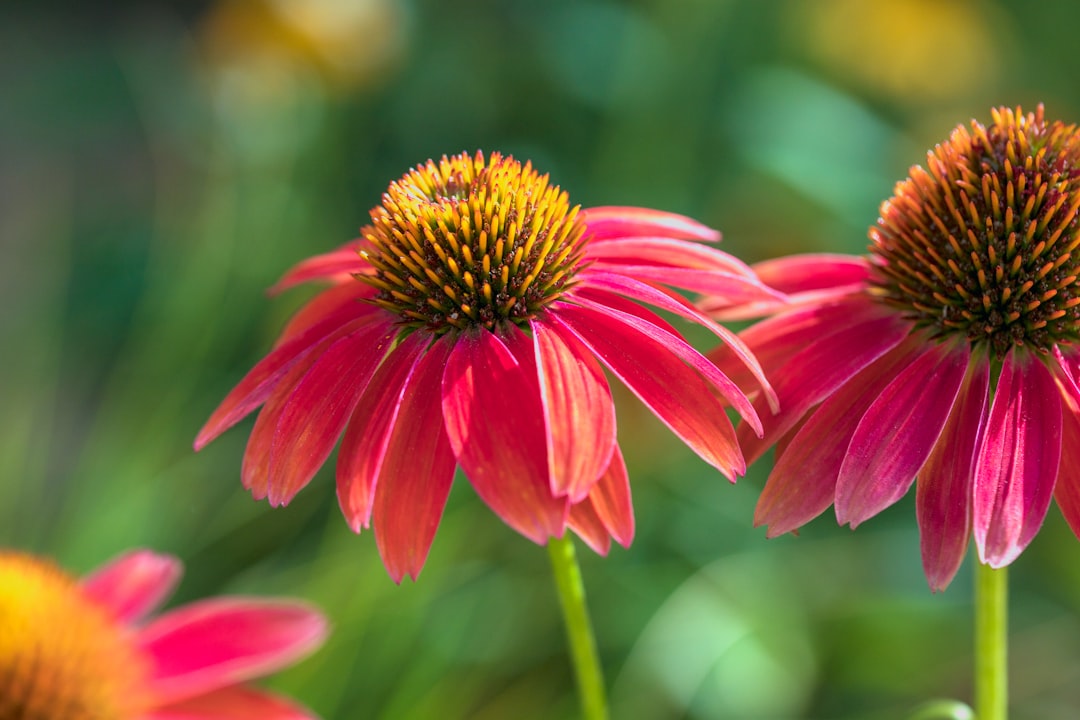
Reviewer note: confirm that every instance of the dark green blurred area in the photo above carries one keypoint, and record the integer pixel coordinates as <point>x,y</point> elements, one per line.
<point>161,165</point>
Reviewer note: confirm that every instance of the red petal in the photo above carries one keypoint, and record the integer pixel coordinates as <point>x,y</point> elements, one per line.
<point>212,644</point>
<point>648,365</point>
<point>733,289</point>
<point>680,306</point>
<point>610,498</point>
<point>943,490</point>
<point>669,253</point>
<point>491,405</point>
<point>134,584</point>
<point>897,433</point>
<point>318,407</point>
<point>347,296</point>
<point>1018,460</point>
<point>802,484</point>
<point>815,371</point>
<point>587,524</point>
<point>578,411</point>
<point>1067,487</point>
<point>232,703</point>
<point>813,271</point>
<point>416,472</point>
<point>368,433</point>
<point>268,373</point>
<point>606,223</point>
<point>337,265</point>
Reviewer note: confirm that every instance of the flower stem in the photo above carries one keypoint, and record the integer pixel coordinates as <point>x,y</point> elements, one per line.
<point>991,637</point>
<point>590,678</point>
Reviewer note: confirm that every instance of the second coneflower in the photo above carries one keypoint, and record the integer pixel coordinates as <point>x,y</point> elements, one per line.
<point>949,357</point>
<point>470,325</point>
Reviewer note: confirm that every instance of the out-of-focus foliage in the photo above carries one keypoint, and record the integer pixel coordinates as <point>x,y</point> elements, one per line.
<point>161,164</point>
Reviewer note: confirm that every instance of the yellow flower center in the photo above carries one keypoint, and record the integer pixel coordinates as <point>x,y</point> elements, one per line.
<point>61,656</point>
<point>984,242</point>
<point>464,242</point>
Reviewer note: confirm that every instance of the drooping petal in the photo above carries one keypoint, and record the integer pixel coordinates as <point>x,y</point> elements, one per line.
<point>611,283</point>
<point>367,435</point>
<point>491,406</point>
<point>133,584</point>
<point>676,393</point>
<point>802,484</point>
<point>734,289</point>
<point>1067,487</point>
<point>607,223</point>
<point>212,644</point>
<point>812,279</point>
<point>337,265</point>
<point>611,500</point>
<point>666,252</point>
<point>232,703</point>
<point>347,296</point>
<point>897,433</point>
<point>312,419</point>
<point>1018,460</point>
<point>416,471</point>
<point>584,521</point>
<point>943,489</point>
<point>579,414</point>
<point>1066,368</point>
<point>269,373</point>
<point>815,372</point>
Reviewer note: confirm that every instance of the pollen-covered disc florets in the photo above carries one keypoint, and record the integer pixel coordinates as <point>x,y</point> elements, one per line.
<point>983,242</point>
<point>61,656</point>
<point>467,242</point>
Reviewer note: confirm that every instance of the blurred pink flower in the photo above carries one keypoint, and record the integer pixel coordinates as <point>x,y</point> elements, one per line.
<point>470,325</point>
<point>949,355</point>
<point>73,650</point>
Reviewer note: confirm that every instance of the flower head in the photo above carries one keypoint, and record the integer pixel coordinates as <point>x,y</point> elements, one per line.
<point>75,650</point>
<point>948,355</point>
<point>470,325</point>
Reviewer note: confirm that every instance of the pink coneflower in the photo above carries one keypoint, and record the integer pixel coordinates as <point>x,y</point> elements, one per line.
<point>79,650</point>
<point>469,325</point>
<point>949,355</point>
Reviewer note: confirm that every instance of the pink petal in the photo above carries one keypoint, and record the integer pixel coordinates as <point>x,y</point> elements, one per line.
<point>312,419</point>
<point>367,436</point>
<point>1067,487</point>
<point>493,414</point>
<point>1018,460</point>
<point>815,371</point>
<point>268,373</point>
<point>610,498</point>
<point>337,265</point>
<point>669,253</point>
<point>584,521</point>
<point>1066,368</point>
<point>606,223</point>
<point>416,472</point>
<point>133,584</point>
<point>578,411</point>
<point>678,305</point>
<point>212,644</point>
<point>943,490</point>
<point>732,288</point>
<point>347,296</point>
<point>232,703</point>
<point>647,364</point>
<point>897,433</point>
<point>812,271</point>
<point>802,484</point>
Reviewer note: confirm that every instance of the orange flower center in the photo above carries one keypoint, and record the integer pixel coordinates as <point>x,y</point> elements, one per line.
<point>465,242</point>
<point>984,242</point>
<point>61,656</point>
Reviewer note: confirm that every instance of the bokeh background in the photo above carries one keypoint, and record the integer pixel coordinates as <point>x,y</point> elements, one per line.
<point>161,163</point>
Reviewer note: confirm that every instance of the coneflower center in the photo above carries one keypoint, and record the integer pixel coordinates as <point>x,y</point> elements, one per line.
<point>983,242</point>
<point>467,242</point>
<point>61,656</point>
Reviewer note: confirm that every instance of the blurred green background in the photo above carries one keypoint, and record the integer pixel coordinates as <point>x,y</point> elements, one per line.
<point>161,163</point>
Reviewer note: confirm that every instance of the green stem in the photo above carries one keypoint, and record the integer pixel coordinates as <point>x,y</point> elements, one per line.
<point>590,678</point>
<point>991,637</point>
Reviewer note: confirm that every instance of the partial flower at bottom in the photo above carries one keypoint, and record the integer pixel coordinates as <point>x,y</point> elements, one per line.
<point>948,358</point>
<point>471,324</point>
<point>90,650</point>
